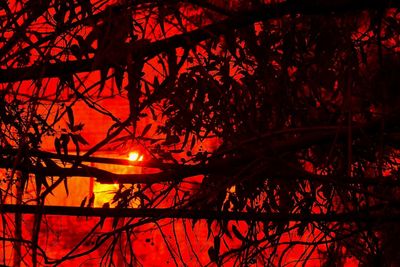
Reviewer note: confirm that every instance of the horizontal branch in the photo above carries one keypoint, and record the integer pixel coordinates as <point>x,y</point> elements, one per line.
<point>200,214</point>
<point>218,163</point>
<point>104,176</point>
<point>310,7</point>
<point>181,172</point>
<point>169,172</point>
<point>92,159</point>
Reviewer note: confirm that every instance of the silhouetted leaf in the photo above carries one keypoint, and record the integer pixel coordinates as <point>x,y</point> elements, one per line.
<point>77,127</point>
<point>76,143</point>
<point>70,117</point>
<point>83,202</point>
<point>119,77</point>
<point>57,145</point>
<point>147,90</point>
<point>185,139</point>
<point>171,139</point>
<point>225,230</point>
<point>38,182</point>
<point>209,230</point>
<point>115,222</point>
<point>91,200</point>
<point>64,143</point>
<point>103,78</point>
<point>81,139</point>
<point>65,184</point>
<point>217,244</point>
<point>76,51</point>
<point>237,233</point>
<point>102,218</point>
<point>146,129</point>
<point>156,83</point>
<point>194,221</point>
<point>86,8</point>
<point>212,254</point>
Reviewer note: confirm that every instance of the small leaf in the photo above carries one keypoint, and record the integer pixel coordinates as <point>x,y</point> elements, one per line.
<point>301,229</point>
<point>38,180</point>
<point>153,113</point>
<point>78,127</point>
<point>64,143</point>
<point>217,244</point>
<point>171,139</point>
<point>86,7</point>
<point>81,139</point>
<point>224,227</point>
<point>156,83</point>
<point>212,254</point>
<point>103,78</point>
<point>70,117</point>
<point>91,201</point>
<point>209,224</point>
<point>83,202</point>
<point>57,145</point>
<point>76,51</point>
<point>143,196</point>
<point>66,185</point>
<point>75,141</point>
<point>24,180</point>
<point>237,233</point>
<point>44,182</point>
<point>147,90</point>
<point>194,221</point>
<point>119,77</point>
<point>115,222</point>
<point>146,129</point>
<point>185,140</point>
<point>102,218</point>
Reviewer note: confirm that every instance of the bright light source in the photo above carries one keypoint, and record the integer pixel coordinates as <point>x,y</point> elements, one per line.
<point>134,156</point>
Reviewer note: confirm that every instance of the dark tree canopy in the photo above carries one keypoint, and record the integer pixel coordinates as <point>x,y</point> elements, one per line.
<point>269,128</point>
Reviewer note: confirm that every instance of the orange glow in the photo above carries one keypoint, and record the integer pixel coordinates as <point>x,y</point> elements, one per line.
<point>104,193</point>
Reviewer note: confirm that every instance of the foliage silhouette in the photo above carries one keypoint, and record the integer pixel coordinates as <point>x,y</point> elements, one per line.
<point>272,127</point>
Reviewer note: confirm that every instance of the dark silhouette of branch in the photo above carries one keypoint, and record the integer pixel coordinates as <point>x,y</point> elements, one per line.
<point>192,38</point>
<point>360,216</point>
<point>292,108</point>
<point>177,173</point>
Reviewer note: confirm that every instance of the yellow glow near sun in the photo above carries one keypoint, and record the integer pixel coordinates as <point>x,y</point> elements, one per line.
<point>105,192</point>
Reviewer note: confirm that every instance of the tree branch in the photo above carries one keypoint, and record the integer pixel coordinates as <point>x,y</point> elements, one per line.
<point>216,165</point>
<point>360,216</point>
<point>47,70</point>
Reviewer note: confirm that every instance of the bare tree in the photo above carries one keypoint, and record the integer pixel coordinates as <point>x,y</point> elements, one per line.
<point>270,130</point>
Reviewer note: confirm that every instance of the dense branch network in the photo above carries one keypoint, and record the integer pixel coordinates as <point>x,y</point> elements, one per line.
<point>266,118</point>
<point>192,38</point>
